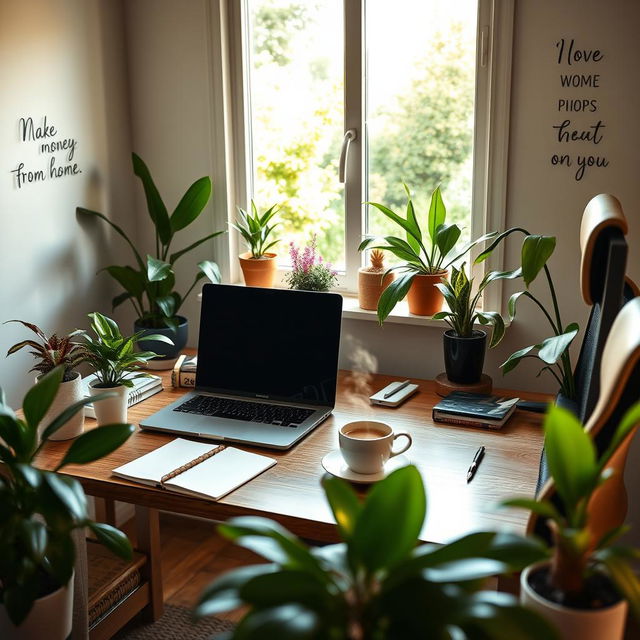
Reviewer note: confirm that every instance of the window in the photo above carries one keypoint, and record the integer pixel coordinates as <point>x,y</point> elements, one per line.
<point>424,87</point>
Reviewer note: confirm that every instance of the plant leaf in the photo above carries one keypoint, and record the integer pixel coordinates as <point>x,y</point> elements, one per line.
<point>536,250</point>
<point>211,270</point>
<point>112,538</point>
<point>514,359</point>
<point>128,278</point>
<point>70,494</point>
<point>395,292</point>
<point>40,397</point>
<point>191,204</point>
<point>498,239</point>
<point>495,320</point>
<point>344,504</point>
<point>97,443</point>
<point>447,236</point>
<point>157,210</point>
<point>191,247</point>
<point>437,213</point>
<point>157,269</point>
<point>551,349</point>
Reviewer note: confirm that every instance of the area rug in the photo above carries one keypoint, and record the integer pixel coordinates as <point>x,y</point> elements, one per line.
<point>175,624</point>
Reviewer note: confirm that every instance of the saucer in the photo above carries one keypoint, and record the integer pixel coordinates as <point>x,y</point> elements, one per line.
<point>334,463</point>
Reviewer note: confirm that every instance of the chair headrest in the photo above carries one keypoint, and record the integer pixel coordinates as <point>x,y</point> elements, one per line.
<point>603,212</point>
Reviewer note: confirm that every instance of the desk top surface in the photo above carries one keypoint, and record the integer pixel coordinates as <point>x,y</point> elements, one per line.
<point>290,491</point>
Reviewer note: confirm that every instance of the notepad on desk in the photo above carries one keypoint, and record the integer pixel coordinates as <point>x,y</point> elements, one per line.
<point>196,468</point>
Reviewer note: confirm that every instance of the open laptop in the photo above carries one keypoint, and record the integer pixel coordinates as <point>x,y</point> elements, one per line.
<point>267,367</point>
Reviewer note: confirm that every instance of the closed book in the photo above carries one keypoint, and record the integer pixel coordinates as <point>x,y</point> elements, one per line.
<point>474,409</point>
<point>142,389</point>
<point>184,372</point>
<point>196,468</point>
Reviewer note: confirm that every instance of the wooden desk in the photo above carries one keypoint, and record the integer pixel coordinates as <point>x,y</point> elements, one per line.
<point>290,491</point>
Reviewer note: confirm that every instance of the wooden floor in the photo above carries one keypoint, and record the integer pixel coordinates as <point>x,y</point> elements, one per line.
<point>193,554</point>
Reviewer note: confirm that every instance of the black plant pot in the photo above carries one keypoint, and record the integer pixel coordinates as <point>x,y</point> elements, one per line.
<point>464,357</point>
<point>164,350</point>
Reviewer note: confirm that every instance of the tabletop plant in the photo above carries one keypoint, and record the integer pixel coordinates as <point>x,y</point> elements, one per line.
<point>40,509</point>
<point>255,229</point>
<point>376,584</point>
<point>112,356</point>
<point>309,272</point>
<point>419,256</point>
<point>554,350</point>
<point>578,557</point>
<point>51,352</point>
<point>150,285</point>
<point>463,303</point>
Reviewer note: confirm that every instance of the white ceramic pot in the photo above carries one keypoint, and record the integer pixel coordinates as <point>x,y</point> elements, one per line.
<point>110,410</point>
<point>68,393</point>
<point>50,618</point>
<point>575,624</point>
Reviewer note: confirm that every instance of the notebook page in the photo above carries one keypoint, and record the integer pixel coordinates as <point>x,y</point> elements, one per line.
<point>224,472</point>
<point>154,465</point>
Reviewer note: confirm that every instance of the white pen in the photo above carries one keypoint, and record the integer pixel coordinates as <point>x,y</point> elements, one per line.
<point>400,387</point>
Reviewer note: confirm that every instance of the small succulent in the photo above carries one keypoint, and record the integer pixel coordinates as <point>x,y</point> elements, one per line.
<point>376,258</point>
<point>52,351</point>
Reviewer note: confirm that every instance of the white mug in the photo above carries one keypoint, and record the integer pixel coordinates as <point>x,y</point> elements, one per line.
<point>366,445</point>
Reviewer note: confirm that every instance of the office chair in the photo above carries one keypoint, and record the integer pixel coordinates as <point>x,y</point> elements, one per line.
<point>619,390</point>
<point>605,289</point>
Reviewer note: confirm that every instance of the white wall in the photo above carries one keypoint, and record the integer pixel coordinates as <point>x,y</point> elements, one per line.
<point>63,59</point>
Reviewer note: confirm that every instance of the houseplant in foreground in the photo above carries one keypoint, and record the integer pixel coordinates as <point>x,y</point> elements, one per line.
<point>114,362</point>
<point>258,264</point>
<point>464,346</point>
<point>554,350</point>
<point>309,272</point>
<point>585,588</point>
<point>39,510</point>
<point>150,284</point>
<point>50,352</point>
<point>423,267</point>
<point>376,584</point>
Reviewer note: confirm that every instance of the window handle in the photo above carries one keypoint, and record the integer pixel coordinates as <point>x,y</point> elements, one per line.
<point>349,136</point>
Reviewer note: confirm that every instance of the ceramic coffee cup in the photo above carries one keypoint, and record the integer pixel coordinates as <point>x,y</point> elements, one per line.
<point>366,445</point>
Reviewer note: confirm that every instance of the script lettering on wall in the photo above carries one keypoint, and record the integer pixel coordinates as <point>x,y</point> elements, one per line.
<point>579,129</point>
<point>57,150</point>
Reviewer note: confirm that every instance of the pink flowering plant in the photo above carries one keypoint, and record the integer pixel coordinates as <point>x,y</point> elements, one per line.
<point>309,272</point>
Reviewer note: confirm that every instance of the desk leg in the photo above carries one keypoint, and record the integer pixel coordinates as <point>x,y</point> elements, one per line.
<point>105,510</point>
<point>148,532</point>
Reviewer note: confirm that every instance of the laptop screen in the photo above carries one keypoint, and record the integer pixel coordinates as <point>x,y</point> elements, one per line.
<point>269,343</point>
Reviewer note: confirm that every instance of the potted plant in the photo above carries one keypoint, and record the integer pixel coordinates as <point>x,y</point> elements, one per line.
<point>150,284</point>
<point>115,364</point>
<point>309,272</point>
<point>554,350</point>
<point>258,264</point>
<point>423,267</point>
<point>585,588</point>
<point>50,352</point>
<point>39,510</point>
<point>376,584</point>
<point>373,280</point>
<point>464,346</point>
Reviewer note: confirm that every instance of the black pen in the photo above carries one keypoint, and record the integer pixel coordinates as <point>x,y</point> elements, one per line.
<point>477,459</point>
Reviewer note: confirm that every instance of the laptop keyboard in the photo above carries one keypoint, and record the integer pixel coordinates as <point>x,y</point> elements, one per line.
<point>249,411</point>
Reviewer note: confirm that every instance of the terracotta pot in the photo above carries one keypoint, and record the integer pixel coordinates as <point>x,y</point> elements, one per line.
<point>110,410</point>
<point>370,286</point>
<point>68,393</point>
<point>259,272</point>
<point>423,297</point>
<point>574,624</point>
<point>50,618</point>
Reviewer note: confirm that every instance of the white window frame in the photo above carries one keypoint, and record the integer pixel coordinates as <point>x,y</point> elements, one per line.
<point>230,100</point>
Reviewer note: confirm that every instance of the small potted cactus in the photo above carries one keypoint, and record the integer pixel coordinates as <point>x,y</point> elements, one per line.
<point>372,281</point>
<point>49,353</point>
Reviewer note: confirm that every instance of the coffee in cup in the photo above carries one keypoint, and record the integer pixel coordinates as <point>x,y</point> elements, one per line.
<point>366,445</point>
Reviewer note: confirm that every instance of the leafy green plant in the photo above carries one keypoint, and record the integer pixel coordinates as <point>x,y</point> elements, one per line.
<point>150,286</point>
<point>463,305</point>
<point>553,351</point>
<point>111,355</point>
<point>577,474</point>
<point>52,351</point>
<point>419,258</point>
<point>255,229</point>
<point>40,509</point>
<point>376,584</point>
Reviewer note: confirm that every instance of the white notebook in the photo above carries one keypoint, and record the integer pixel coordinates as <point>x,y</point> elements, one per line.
<point>196,468</point>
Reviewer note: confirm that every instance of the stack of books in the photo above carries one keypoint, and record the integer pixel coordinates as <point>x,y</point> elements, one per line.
<point>474,410</point>
<point>184,372</point>
<point>142,389</point>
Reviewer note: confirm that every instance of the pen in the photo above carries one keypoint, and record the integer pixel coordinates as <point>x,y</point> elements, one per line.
<point>477,459</point>
<point>400,387</point>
